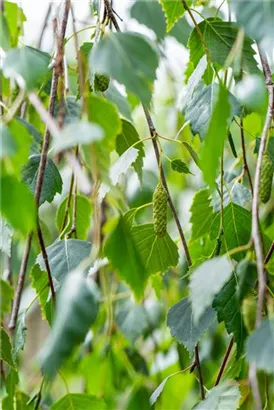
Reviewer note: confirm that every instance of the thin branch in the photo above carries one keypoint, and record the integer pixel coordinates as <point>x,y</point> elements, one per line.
<point>45,23</point>
<point>246,168</point>
<point>224,362</point>
<point>269,253</point>
<point>40,176</point>
<point>200,376</point>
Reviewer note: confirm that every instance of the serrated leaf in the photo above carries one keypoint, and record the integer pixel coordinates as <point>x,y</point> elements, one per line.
<point>129,263</point>
<point>206,281</point>
<point>260,346</point>
<point>215,137</point>
<point>77,132</point>
<point>201,214</point>
<point>155,395</point>
<point>65,256</point>
<point>83,216</point>
<point>179,166</point>
<point>23,221</point>
<point>52,181</point>
<point>6,296</point>
<point>237,228</point>
<point>192,83</point>
<point>157,253</point>
<point>85,49</point>
<point>122,165</point>
<point>200,107</point>
<point>233,192</point>
<point>130,59</point>
<point>78,401</point>
<point>40,282</point>
<point>181,324</point>
<point>20,334</point>
<point>125,140</point>
<point>219,37</point>
<point>15,18</point>
<point>72,109</point>
<point>6,348</point>
<point>257,17</point>
<point>98,110</point>
<point>224,396</point>
<point>150,14</point>
<point>37,136</point>
<point>76,310</point>
<point>17,65</point>
<point>174,10</point>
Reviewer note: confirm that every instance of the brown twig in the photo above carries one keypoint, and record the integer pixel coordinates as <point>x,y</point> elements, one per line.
<point>269,253</point>
<point>245,166</point>
<point>200,376</point>
<point>45,23</point>
<point>40,176</point>
<point>224,362</point>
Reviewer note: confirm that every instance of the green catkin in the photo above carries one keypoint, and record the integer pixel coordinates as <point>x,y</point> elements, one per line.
<point>249,307</point>
<point>160,210</point>
<point>266,179</point>
<point>101,82</point>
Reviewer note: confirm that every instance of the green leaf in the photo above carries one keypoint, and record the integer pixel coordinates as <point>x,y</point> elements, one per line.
<point>215,137</point>
<point>17,65</point>
<point>23,221</point>
<point>130,59</point>
<point>113,95</point>
<point>4,30</point>
<point>260,346</point>
<point>233,192</point>
<point>129,263</point>
<point>174,10</point>
<point>37,136</point>
<point>52,181</point>
<point>122,165</point>
<point>8,144</point>
<point>64,256</point>
<point>201,214</point>
<point>10,384</point>
<point>83,216</point>
<point>76,310</point>
<point>6,349</point>
<point>200,107</point>
<point>181,324</point>
<point>237,228</point>
<point>77,401</point>
<point>77,132</point>
<point>206,281</point>
<point>179,166</point>
<point>98,110</point>
<point>150,14</point>
<point>6,296</point>
<point>72,110</point>
<point>219,37</point>
<point>40,282</point>
<point>192,152</point>
<point>125,140</point>
<point>257,17</point>
<point>20,334</point>
<point>156,394</point>
<point>15,18</point>
<point>224,396</point>
<point>157,253</point>
<point>229,300</point>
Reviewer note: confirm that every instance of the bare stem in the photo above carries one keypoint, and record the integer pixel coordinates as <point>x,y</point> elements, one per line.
<point>200,376</point>
<point>40,176</point>
<point>246,168</point>
<point>269,253</point>
<point>224,362</point>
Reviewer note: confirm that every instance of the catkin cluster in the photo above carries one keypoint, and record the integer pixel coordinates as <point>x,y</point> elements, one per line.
<point>160,210</point>
<point>266,179</point>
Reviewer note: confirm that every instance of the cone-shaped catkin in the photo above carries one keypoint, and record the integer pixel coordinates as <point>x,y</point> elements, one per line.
<point>249,307</point>
<point>266,179</point>
<point>160,210</point>
<point>101,82</point>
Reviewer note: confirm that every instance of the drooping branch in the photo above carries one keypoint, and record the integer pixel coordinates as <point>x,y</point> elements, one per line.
<point>245,167</point>
<point>40,177</point>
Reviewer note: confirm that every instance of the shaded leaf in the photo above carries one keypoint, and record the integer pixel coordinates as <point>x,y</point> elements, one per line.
<point>6,296</point>
<point>76,310</point>
<point>260,346</point>
<point>6,348</point>
<point>83,216</point>
<point>130,59</point>
<point>122,165</point>
<point>201,214</point>
<point>131,319</point>
<point>20,334</point>
<point>72,109</point>
<point>181,324</point>
<point>40,282</point>
<point>224,396</point>
<point>125,140</point>
<point>65,256</point>
<point>52,181</point>
<point>179,166</point>
<point>5,237</point>
<point>150,14</point>
<point>174,10</point>
<point>113,95</point>
<point>206,281</point>
<point>200,107</point>
<point>233,192</point>
<point>17,65</point>
<point>237,228</point>
<point>215,137</point>
<point>77,401</point>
